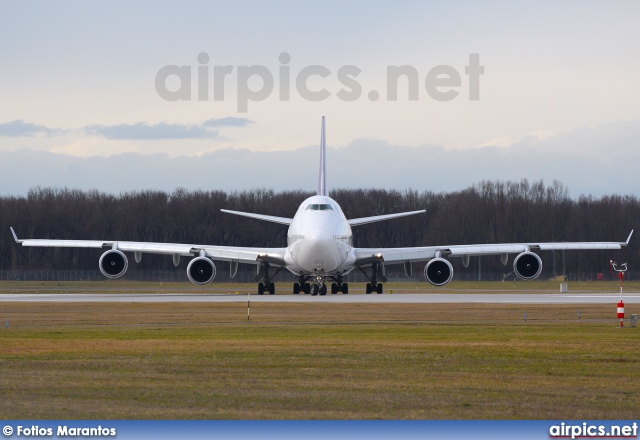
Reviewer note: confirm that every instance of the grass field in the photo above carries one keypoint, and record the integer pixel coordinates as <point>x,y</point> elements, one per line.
<point>316,361</point>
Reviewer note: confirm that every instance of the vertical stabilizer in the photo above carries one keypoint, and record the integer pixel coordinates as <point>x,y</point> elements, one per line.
<point>322,181</point>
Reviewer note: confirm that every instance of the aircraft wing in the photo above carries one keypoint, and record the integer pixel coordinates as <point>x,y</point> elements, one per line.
<point>268,218</point>
<point>379,218</point>
<point>273,256</point>
<point>398,255</point>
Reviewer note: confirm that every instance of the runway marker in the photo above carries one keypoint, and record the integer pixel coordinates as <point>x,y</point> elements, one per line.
<point>621,313</point>
<point>621,271</point>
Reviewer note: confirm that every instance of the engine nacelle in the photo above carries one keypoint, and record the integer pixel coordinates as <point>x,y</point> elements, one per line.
<point>527,266</point>
<point>438,271</point>
<point>113,264</point>
<point>201,270</point>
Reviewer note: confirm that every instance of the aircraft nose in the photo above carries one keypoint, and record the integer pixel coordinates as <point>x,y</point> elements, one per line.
<point>318,240</point>
<point>318,251</point>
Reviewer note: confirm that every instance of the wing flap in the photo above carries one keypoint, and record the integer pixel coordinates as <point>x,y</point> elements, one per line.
<point>65,243</point>
<point>157,248</point>
<point>484,249</point>
<point>397,255</point>
<point>577,246</point>
<point>273,256</point>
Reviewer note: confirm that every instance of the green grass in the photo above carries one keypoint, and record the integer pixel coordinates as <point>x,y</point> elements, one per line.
<point>316,361</point>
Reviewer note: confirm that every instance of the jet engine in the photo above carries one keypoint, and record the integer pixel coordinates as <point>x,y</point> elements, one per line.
<point>527,266</point>
<point>113,264</point>
<point>438,271</point>
<point>201,270</point>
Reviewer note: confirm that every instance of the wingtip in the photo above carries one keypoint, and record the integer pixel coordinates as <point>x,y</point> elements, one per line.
<point>629,238</point>
<point>15,237</point>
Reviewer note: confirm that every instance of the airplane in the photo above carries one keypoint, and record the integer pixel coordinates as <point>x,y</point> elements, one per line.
<point>320,250</point>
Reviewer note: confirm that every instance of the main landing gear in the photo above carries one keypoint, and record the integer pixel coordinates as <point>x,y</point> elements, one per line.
<point>266,285</point>
<point>316,289</point>
<point>302,286</point>
<point>270,288</point>
<point>374,285</point>
<point>319,287</point>
<point>339,286</point>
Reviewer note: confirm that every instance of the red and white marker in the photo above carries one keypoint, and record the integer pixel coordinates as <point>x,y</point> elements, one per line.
<point>621,312</point>
<point>621,269</point>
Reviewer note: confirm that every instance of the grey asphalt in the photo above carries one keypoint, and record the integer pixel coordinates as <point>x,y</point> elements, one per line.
<point>469,298</point>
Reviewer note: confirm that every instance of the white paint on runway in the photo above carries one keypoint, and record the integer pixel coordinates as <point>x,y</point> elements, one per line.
<point>444,298</point>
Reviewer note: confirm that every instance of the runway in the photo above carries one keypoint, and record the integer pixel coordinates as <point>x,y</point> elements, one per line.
<point>444,298</point>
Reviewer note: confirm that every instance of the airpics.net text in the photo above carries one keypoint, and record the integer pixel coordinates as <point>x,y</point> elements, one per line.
<point>257,82</point>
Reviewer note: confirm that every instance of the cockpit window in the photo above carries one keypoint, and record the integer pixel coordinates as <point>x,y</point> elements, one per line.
<point>319,207</point>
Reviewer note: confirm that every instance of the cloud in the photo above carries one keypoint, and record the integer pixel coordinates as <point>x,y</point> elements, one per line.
<point>19,128</point>
<point>506,141</point>
<point>500,141</point>
<point>144,131</point>
<point>165,130</point>
<point>94,146</point>
<point>228,122</point>
<point>598,161</point>
<point>137,131</point>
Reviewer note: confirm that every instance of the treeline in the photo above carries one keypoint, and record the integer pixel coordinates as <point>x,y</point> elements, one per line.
<point>488,212</point>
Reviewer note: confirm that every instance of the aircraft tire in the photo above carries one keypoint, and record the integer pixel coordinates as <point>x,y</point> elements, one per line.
<point>368,288</point>
<point>260,288</point>
<point>296,288</point>
<point>272,289</point>
<point>314,289</point>
<point>345,288</point>
<point>334,288</point>
<point>379,288</point>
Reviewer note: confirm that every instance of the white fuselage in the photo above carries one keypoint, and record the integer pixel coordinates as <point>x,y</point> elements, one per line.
<point>319,240</point>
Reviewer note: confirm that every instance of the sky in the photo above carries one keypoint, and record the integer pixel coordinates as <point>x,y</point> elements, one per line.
<point>120,96</point>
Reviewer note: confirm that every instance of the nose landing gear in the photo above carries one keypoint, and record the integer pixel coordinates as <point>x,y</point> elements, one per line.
<point>317,289</point>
